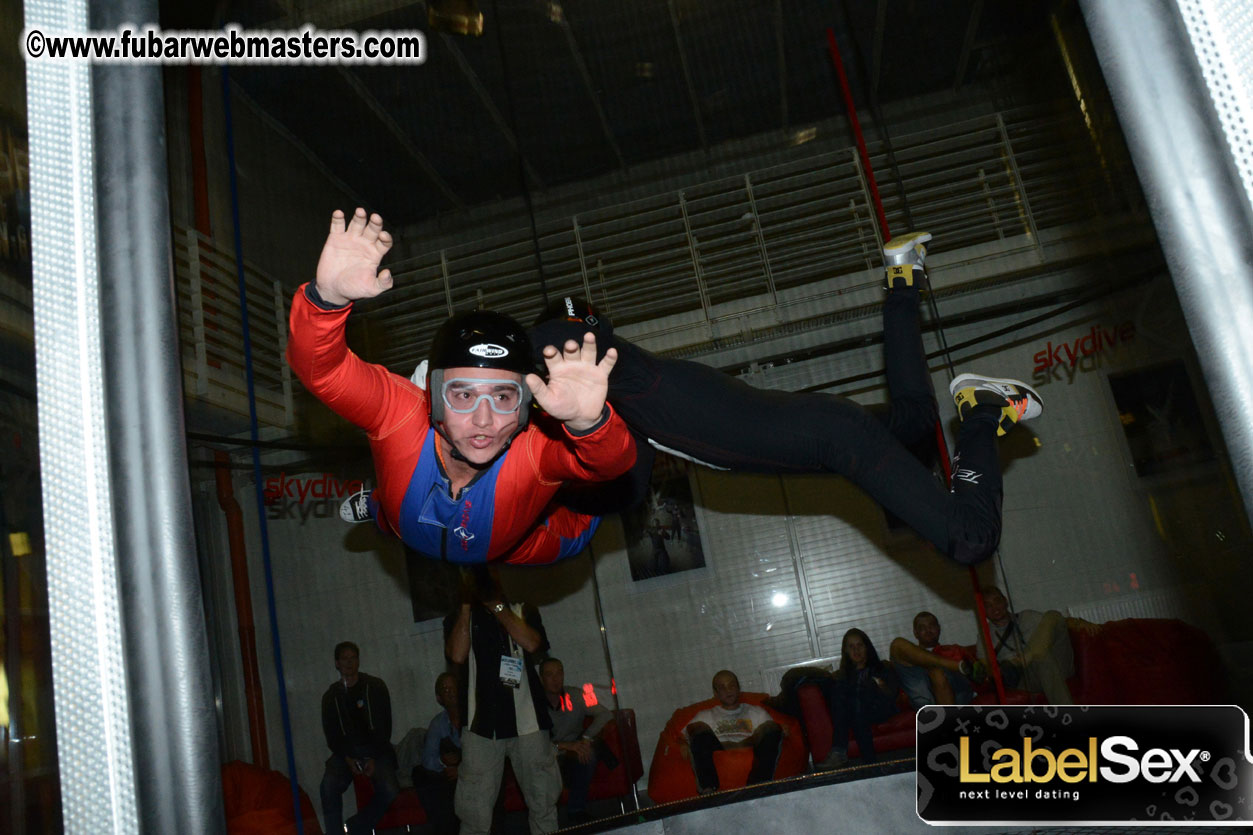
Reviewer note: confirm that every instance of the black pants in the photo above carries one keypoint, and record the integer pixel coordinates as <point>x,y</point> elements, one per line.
<point>855,709</point>
<point>765,757</point>
<point>436,793</point>
<point>723,421</point>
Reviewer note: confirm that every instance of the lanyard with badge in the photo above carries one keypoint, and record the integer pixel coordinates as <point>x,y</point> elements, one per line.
<point>511,664</point>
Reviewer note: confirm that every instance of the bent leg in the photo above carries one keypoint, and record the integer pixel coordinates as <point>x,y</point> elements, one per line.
<point>578,779</point>
<point>912,412</point>
<point>941,686</point>
<point>335,781</point>
<point>386,788</point>
<point>703,743</point>
<point>916,682</point>
<point>724,422</point>
<point>767,742</point>
<point>1050,659</point>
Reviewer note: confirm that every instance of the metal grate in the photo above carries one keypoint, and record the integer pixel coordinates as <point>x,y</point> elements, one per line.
<point>724,247</point>
<point>1222,36</point>
<point>210,326</point>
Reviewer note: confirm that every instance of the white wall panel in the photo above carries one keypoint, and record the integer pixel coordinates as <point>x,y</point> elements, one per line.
<point>1078,524</point>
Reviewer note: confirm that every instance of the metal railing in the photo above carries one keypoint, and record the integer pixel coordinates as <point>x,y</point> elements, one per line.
<point>692,250</point>
<point>772,239</point>
<point>210,327</point>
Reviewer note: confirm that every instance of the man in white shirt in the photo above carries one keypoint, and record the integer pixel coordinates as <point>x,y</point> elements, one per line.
<point>732,724</point>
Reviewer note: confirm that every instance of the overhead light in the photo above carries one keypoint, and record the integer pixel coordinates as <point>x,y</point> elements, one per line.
<point>456,17</point>
<point>779,600</point>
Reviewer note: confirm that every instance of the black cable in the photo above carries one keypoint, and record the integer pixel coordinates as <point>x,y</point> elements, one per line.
<point>517,138</point>
<point>1057,311</point>
<point>247,443</point>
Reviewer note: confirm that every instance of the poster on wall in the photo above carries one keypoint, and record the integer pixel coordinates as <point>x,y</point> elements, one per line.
<point>662,533</point>
<point>1161,419</point>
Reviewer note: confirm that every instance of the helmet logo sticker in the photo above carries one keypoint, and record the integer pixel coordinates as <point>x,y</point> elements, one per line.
<point>489,350</point>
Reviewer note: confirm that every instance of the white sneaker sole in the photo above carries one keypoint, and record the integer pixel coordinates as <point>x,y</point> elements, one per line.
<point>1004,386</point>
<point>902,250</point>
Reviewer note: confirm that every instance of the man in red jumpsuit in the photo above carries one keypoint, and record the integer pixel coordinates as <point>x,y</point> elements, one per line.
<point>463,475</point>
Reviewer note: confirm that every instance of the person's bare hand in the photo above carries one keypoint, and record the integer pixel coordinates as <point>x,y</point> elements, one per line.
<point>348,268</point>
<point>577,384</point>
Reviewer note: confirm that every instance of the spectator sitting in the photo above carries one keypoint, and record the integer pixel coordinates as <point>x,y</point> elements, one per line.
<point>435,778</point>
<point>1033,648</point>
<point>732,724</point>
<point>578,749</point>
<point>932,673</point>
<point>357,722</point>
<point>862,692</point>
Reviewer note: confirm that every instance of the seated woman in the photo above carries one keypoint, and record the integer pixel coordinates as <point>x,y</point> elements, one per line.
<point>862,692</point>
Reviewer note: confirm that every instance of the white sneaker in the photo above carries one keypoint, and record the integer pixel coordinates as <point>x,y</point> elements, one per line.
<point>1017,400</point>
<point>356,508</point>
<point>907,249</point>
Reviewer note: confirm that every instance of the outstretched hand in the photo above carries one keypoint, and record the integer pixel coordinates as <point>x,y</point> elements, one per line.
<point>577,384</point>
<point>349,266</point>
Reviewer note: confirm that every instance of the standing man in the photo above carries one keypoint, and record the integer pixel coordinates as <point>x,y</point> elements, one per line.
<point>500,643</point>
<point>357,722</point>
<point>435,778</point>
<point>732,724</point>
<point>932,673</point>
<point>578,748</point>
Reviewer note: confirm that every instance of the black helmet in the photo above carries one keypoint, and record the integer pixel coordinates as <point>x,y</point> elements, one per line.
<point>569,318</point>
<point>478,339</point>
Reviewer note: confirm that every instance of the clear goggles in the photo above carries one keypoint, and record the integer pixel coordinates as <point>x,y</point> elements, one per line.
<point>463,395</point>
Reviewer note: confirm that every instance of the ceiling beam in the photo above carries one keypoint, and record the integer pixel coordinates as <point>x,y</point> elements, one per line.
<point>876,47</point>
<point>497,118</point>
<point>577,55</point>
<point>687,76</point>
<point>781,48</point>
<point>337,14</point>
<point>968,43</point>
<point>398,133</point>
<point>239,94</point>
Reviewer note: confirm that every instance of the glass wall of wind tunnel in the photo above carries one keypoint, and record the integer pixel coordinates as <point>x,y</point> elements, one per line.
<point>694,174</point>
<point>29,777</point>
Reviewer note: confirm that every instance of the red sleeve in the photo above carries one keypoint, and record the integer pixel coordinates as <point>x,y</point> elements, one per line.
<point>953,652</point>
<point>365,394</point>
<point>602,455</point>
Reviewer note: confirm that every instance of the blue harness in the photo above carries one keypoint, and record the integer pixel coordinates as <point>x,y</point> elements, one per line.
<point>458,530</point>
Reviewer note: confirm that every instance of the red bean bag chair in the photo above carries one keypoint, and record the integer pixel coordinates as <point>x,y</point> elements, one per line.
<point>258,802</point>
<point>670,777</point>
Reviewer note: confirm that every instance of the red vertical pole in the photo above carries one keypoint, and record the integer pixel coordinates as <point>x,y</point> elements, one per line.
<point>941,444</point>
<point>195,136</point>
<point>861,140</point>
<point>243,611</point>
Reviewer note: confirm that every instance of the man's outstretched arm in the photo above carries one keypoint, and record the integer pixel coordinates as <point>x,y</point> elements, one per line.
<point>365,394</point>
